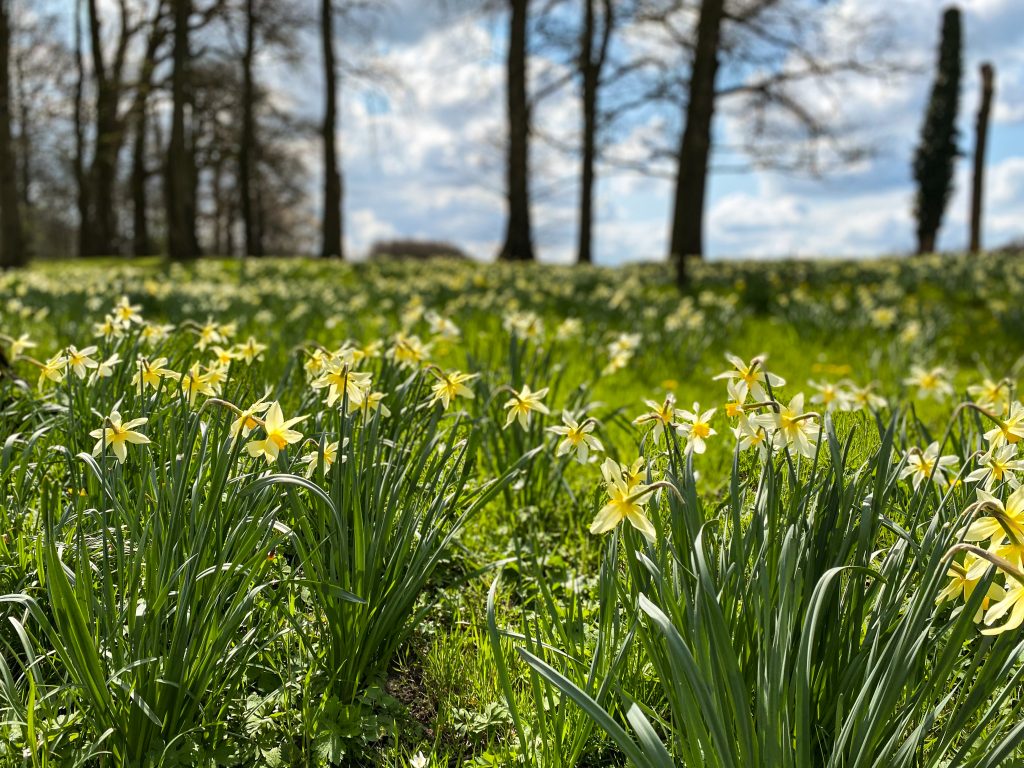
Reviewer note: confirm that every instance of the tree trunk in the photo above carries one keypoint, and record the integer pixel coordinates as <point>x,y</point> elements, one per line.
<point>182,243</point>
<point>247,144</point>
<point>333,245</point>
<point>81,181</point>
<point>109,135</point>
<point>12,241</point>
<point>981,139</point>
<point>518,238</point>
<point>142,241</point>
<point>25,164</point>
<point>590,75</point>
<point>695,145</point>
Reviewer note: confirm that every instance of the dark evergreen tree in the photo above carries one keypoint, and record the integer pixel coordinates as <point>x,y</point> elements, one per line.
<point>937,152</point>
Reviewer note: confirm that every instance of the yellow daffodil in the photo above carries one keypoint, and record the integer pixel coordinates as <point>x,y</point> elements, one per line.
<point>662,415</point>
<point>251,351</point>
<point>450,386</point>
<point>964,579</point>
<point>696,428</point>
<point>927,465</point>
<point>931,382</point>
<point>126,312</point>
<point>79,360</point>
<point>625,502</point>
<point>792,427</point>
<point>151,373</point>
<point>330,455</point>
<point>1005,521</point>
<point>116,435</point>
<point>340,380</point>
<point>1010,429</point>
<point>19,345</point>
<point>279,434</point>
<point>53,370</point>
<point>576,437</point>
<point>998,466</point>
<point>247,420</point>
<point>523,403</point>
<point>751,377</point>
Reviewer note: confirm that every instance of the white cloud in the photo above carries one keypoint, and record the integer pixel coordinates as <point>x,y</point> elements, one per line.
<point>426,159</point>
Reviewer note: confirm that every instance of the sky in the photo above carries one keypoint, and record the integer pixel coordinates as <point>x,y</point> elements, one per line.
<point>423,151</point>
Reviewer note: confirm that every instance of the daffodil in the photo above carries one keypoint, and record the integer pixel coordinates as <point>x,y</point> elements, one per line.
<point>154,333</point>
<point>751,377</point>
<point>19,345</point>
<point>53,370</point>
<point>151,373</point>
<point>625,502</point>
<point>927,465</point>
<point>997,466</point>
<point>409,351</point>
<point>576,437</point>
<point>865,399</point>
<point>209,334</point>
<point>1012,603</point>
<point>330,455</point>
<point>79,360</point>
<point>340,380</point>
<point>374,402</point>
<point>523,403</point>
<point>831,396</point>
<point>251,351</point>
<point>933,382</point>
<point>631,474</point>
<point>247,419</point>
<point>792,427</point>
<point>1010,429</point>
<point>696,428</point>
<point>450,386</point>
<point>222,357</point>
<point>106,369</point>
<point>279,434</point>
<point>1005,521</point>
<point>964,579</point>
<point>117,435</point>
<point>990,394</point>
<point>442,326</point>
<point>663,416</point>
<point>751,433</point>
<point>194,383</point>
<point>126,312</point>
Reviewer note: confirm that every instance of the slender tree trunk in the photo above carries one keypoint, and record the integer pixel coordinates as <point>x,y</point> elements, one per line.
<point>591,65</point>
<point>25,164</point>
<point>590,75</point>
<point>142,241</point>
<point>695,145</point>
<point>988,85</point>
<point>518,238</point>
<point>182,244</point>
<point>109,136</point>
<point>12,241</point>
<point>81,181</point>
<point>333,245</point>
<point>247,144</point>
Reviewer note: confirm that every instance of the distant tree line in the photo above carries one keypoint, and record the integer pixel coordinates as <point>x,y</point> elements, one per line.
<point>143,126</point>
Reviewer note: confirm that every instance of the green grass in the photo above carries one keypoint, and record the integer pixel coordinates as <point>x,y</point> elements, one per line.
<point>432,588</point>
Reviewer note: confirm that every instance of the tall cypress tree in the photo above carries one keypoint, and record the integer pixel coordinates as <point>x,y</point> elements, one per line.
<point>937,152</point>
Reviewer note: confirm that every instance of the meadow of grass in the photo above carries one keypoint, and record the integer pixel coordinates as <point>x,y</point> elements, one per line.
<point>296,513</point>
